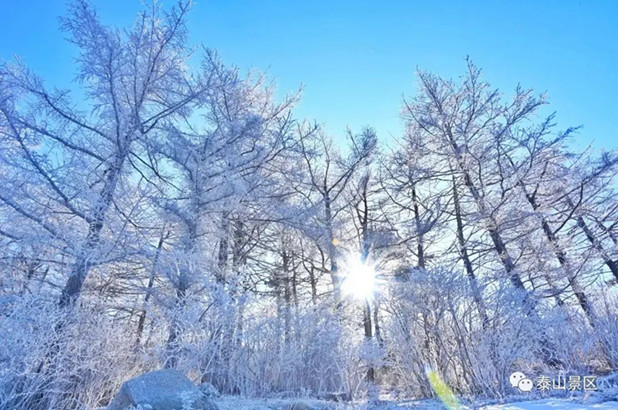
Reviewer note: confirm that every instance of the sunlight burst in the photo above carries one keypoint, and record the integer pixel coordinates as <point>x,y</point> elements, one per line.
<point>359,277</point>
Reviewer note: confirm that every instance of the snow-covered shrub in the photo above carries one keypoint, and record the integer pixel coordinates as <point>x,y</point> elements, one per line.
<point>69,359</point>
<point>435,324</point>
<point>243,347</point>
<point>606,329</point>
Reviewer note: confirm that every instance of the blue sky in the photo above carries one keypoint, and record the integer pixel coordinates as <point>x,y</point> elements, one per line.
<point>357,59</point>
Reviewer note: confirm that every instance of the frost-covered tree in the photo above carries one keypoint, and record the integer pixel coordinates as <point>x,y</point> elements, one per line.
<point>81,150</point>
<point>329,174</point>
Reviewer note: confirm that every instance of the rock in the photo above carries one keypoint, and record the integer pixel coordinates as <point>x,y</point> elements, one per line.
<point>208,390</point>
<point>161,390</point>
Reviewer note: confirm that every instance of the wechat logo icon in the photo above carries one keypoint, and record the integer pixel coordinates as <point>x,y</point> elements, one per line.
<point>521,382</point>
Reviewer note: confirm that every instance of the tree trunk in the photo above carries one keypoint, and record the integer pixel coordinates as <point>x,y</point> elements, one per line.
<point>73,287</point>
<point>332,252</point>
<point>223,250</point>
<point>314,286</point>
<point>368,335</point>
<point>596,244</point>
<point>564,263</point>
<point>182,286</point>
<point>376,323</point>
<point>420,246</point>
<point>287,296</point>
<point>476,292</point>
<point>153,271</point>
<point>172,339</point>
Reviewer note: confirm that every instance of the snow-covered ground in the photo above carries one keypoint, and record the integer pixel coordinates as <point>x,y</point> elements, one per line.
<point>605,398</point>
<point>235,403</point>
<point>553,404</point>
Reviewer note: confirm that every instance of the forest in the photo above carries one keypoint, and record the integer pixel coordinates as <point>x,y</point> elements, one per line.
<point>173,212</point>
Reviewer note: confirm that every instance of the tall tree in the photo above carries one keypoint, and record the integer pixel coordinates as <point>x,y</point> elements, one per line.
<point>81,152</point>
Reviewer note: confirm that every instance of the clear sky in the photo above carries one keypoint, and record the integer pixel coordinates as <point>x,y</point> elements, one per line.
<point>357,59</point>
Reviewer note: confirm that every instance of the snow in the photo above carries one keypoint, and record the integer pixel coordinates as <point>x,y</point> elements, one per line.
<point>552,404</point>
<point>237,403</point>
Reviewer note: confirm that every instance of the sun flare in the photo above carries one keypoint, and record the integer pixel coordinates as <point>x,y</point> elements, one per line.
<point>359,277</point>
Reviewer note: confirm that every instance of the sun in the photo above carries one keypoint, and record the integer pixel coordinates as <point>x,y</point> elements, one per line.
<point>359,277</point>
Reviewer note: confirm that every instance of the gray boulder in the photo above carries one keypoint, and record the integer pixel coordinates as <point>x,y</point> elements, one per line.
<point>161,390</point>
